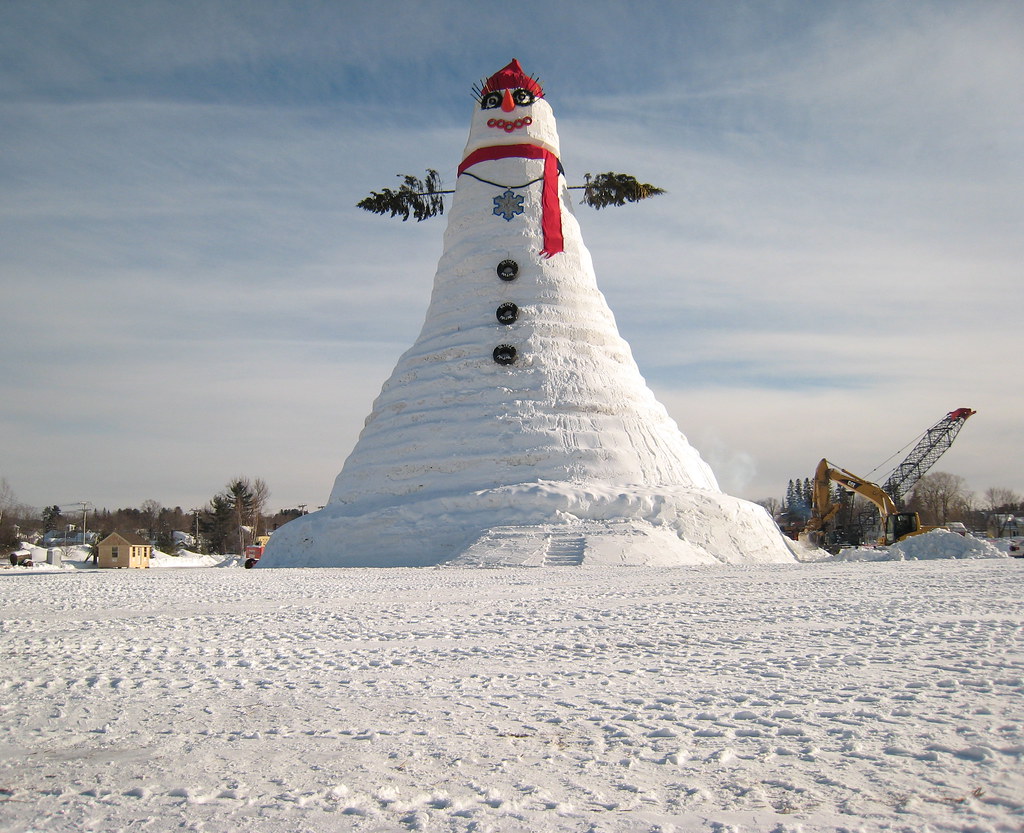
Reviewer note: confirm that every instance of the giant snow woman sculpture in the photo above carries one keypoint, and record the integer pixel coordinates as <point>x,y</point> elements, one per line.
<point>517,430</point>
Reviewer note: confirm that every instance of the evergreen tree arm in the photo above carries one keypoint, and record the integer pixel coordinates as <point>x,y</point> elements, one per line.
<point>421,198</point>
<point>615,189</point>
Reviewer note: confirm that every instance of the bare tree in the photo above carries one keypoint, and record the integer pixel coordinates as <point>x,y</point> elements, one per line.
<point>149,514</point>
<point>941,497</point>
<point>260,496</point>
<point>7,499</point>
<point>1001,500</point>
<point>772,505</point>
<point>8,506</point>
<point>1000,504</point>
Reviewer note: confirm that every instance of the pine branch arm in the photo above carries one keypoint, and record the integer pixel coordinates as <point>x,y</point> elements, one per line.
<point>420,198</point>
<point>615,189</point>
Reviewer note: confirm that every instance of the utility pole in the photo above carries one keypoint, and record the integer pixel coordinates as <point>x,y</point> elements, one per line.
<point>85,510</point>
<point>85,506</point>
<point>196,513</point>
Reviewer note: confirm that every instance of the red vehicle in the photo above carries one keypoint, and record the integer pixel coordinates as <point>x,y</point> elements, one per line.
<point>252,555</point>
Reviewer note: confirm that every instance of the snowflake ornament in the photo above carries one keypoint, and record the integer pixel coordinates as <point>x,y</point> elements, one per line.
<point>508,205</point>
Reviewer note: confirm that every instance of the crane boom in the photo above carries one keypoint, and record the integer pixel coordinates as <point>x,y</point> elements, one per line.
<point>933,444</point>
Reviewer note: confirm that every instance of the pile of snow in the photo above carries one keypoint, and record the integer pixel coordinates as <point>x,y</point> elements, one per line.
<point>939,543</point>
<point>162,560</point>
<point>1011,546</point>
<point>804,551</point>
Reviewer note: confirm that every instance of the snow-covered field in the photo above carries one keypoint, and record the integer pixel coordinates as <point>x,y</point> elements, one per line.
<point>808,697</point>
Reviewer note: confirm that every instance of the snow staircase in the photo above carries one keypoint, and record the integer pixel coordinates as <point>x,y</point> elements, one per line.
<point>564,549</point>
<point>569,545</point>
<point>506,546</point>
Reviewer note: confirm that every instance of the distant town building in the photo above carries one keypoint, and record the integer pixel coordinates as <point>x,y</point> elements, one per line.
<point>121,550</point>
<point>67,538</point>
<point>1005,526</point>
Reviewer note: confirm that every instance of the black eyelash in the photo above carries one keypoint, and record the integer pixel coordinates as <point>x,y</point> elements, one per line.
<point>478,88</point>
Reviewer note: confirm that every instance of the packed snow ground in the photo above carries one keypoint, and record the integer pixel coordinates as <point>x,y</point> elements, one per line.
<point>808,697</point>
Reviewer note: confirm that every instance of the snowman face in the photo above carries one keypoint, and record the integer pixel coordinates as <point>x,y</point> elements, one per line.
<point>513,116</point>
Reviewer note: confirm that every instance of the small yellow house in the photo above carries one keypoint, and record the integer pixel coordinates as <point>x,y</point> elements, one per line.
<point>120,550</point>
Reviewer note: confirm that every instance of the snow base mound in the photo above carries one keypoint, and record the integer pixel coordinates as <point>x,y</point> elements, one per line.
<point>536,524</point>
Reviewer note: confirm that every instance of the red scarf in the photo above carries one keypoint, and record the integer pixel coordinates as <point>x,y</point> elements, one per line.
<point>551,211</point>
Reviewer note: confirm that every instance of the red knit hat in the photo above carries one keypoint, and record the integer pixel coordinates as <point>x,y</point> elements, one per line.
<point>512,77</point>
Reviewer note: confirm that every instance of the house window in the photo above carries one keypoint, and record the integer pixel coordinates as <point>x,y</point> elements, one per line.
<point>113,553</point>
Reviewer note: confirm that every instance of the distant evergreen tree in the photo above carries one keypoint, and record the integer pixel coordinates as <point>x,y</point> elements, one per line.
<point>240,494</point>
<point>164,540</point>
<point>799,499</point>
<point>52,518</point>
<point>217,524</point>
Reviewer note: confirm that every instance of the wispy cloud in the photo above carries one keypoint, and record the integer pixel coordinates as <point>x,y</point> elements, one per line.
<point>835,266</point>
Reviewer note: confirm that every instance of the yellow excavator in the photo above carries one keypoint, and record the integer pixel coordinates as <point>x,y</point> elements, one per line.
<point>896,525</point>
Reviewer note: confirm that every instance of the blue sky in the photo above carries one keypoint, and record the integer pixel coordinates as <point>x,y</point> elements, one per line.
<point>190,293</point>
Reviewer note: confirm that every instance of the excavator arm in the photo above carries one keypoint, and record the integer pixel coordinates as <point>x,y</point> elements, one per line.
<point>826,473</point>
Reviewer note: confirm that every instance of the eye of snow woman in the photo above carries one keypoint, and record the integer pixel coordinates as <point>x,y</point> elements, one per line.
<point>521,97</point>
